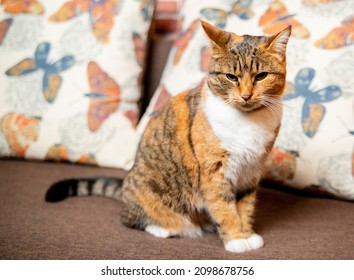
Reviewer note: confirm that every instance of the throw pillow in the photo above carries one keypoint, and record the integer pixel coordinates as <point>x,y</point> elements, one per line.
<point>70,79</point>
<point>314,150</point>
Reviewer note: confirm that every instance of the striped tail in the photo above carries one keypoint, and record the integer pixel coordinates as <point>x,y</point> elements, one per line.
<point>100,186</point>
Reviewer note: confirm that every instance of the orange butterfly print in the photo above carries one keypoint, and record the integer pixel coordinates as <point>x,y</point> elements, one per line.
<point>277,17</point>
<point>339,37</point>
<point>104,95</point>
<point>132,116</point>
<point>4,27</point>
<point>20,131</point>
<point>281,165</point>
<point>101,13</point>
<point>59,152</point>
<point>183,40</point>
<point>87,159</point>
<point>22,7</point>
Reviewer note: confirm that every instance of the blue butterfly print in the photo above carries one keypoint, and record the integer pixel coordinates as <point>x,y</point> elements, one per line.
<point>51,78</point>
<point>240,8</point>
<point>146,9</point>
<point>312,110</point>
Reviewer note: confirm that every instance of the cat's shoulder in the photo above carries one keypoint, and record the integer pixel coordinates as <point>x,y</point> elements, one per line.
<point>191,97</point>
<point>184,102</point>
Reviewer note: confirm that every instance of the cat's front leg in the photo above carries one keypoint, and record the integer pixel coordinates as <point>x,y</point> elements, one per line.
<point>246,208</point>
<point>230,219</point>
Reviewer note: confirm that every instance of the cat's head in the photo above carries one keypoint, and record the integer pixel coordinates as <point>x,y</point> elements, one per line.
<point>247,72</point>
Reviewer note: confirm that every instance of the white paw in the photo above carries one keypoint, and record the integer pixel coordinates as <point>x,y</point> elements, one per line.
<point>237,246</point>
<point>253,242</point>
<point>157,231</point>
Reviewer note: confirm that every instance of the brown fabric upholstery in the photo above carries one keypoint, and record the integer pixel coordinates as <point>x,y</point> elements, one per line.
<point>293,227</point>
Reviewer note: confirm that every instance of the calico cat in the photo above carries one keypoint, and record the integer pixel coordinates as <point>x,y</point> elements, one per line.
<point>201,157</point>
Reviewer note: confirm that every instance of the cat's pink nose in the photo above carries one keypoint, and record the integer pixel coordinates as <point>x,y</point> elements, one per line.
<point>246,96</point>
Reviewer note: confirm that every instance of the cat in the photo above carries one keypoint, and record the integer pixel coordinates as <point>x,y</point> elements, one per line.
<point>201,156</point>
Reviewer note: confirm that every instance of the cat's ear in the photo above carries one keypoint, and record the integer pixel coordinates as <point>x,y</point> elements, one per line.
<point>278,42</point>
<point>217,36</point>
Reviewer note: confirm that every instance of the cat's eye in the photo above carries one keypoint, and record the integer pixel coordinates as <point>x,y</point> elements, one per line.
<point>231,77</point>
<point>261,76</point>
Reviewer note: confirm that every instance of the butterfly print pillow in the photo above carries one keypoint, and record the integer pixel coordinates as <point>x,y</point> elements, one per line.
<point>314,149</point>
<point>70,79</point>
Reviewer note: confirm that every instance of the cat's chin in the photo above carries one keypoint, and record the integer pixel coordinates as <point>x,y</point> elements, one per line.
<point>248,107</point>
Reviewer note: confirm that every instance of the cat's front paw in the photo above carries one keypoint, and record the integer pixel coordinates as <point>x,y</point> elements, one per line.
<point>253,242</point>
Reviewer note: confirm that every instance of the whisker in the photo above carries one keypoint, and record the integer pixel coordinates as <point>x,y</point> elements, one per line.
<point>272,108</point>
<point>272,99</point>
<point>275,108</point>
<point>275,102</point>
<point>229,101</point>
<point>269,96</point>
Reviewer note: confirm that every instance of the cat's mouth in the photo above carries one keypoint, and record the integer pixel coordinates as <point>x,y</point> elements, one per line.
<point>247,106</point>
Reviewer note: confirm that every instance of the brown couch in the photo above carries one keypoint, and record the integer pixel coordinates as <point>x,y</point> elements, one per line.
<point>293,225</point>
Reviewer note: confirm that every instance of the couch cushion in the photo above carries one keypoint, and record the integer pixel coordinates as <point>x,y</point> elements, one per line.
<point>314,150</point>
<point>70,79</point>
<point>293,226</point>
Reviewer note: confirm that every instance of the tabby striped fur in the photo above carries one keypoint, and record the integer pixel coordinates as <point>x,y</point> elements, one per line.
<point>201,157</point>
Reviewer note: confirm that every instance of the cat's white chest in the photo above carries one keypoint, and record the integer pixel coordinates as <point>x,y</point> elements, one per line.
<point>244,135</point>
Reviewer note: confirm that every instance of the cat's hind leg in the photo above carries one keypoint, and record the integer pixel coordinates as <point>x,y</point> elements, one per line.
<point>146,211</point>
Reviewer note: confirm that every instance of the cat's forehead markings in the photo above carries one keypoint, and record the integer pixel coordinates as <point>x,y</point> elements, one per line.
<point>248,40</point>
<point>243,49</point>
<point>245,58</point>
<point>248,47</point>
